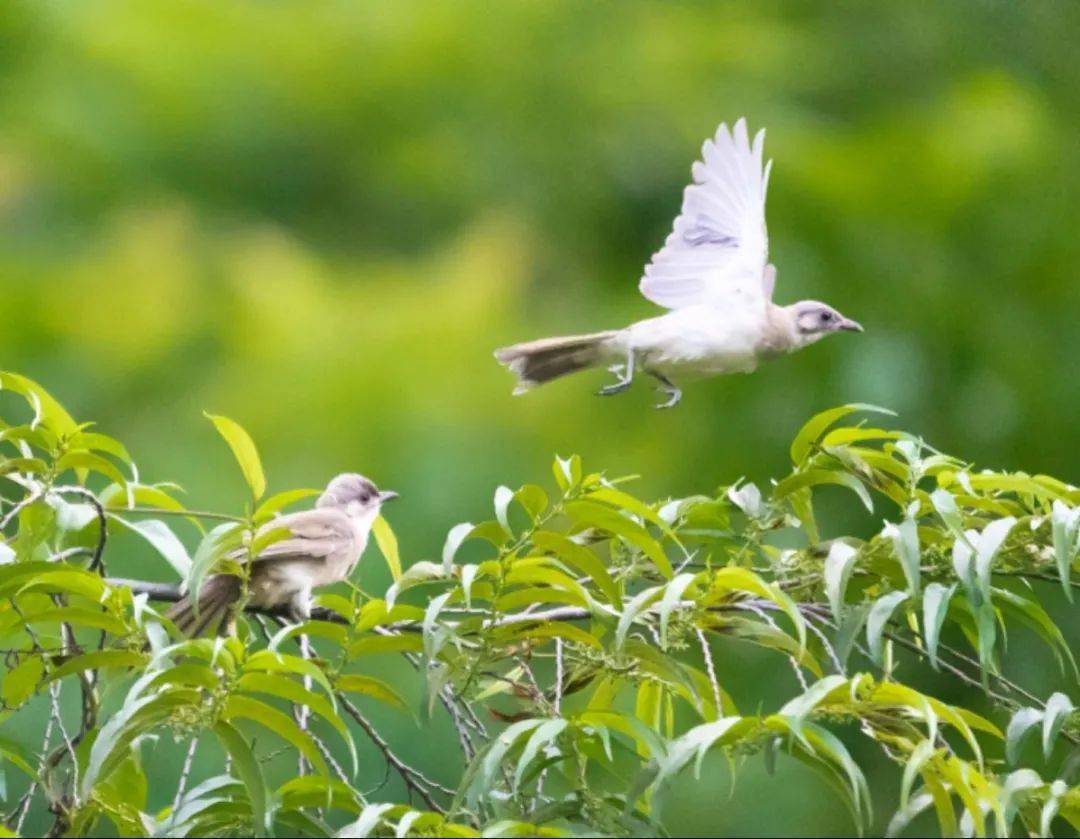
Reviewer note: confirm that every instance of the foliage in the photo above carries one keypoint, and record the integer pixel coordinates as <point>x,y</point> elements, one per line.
<point>571,639</point>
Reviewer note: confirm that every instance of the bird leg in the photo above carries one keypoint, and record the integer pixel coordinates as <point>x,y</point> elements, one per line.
<point>668,387</point>
<point>299,606</point>
<point>625,380</point>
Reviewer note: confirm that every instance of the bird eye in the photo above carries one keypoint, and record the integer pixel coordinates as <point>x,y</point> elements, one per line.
<point>826,317</point>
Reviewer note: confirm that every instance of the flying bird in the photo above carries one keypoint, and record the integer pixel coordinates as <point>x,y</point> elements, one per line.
<point>714,276</point>
<point>322,546</point>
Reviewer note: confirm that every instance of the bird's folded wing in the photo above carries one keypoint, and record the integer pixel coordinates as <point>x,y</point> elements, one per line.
<point>315,534</point>
<point>718,248</point>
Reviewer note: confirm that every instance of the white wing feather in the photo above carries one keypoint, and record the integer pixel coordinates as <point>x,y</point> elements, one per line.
<point>718,247</point>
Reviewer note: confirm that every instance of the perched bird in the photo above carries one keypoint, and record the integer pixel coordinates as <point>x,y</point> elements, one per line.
<point>323,547</point>
<point>713,274</point>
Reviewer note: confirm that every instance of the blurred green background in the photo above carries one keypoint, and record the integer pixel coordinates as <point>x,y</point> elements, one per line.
<point>319,218</point>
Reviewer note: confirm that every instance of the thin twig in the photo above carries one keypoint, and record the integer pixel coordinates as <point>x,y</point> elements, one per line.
<point>188,514</point>
<point>97,562</point>
<point>710,669</point>
<point>413,778</point>
<point>34,495</point>
<point>181,787</point>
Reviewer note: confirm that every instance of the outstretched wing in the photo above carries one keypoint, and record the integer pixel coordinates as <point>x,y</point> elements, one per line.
<point>718,247</point>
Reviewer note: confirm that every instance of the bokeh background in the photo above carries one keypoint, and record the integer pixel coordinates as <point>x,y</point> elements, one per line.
<point>319,218</point>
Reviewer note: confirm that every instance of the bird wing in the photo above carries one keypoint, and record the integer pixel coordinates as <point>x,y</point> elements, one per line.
<point>316,534</point>
<point>717,249</point>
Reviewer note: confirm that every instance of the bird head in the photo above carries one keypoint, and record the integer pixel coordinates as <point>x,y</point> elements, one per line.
<point>814,320</point>
<point>355,494</point>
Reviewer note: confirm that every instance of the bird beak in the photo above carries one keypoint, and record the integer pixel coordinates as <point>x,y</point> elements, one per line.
<point>387,495</point>
<point>850,325</point>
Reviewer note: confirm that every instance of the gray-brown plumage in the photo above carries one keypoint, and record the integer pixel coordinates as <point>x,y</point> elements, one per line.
<point>536,362</point>
<point>323,547</point>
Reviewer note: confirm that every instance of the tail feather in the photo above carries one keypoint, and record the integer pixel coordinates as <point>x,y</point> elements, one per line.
<point>536,362</point>
<point>216,599</point>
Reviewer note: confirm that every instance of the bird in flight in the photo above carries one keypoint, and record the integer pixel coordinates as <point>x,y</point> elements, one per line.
<point>714,276</point>
<point>318,547</point>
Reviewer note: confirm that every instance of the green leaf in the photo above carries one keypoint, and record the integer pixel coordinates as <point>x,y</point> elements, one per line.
<point>370,819</point>
<point>567,472</point>
<point>986,548</point>
<point>811,432</point>
<point>799,708</point>
<point>79,461</point>
<point>625,501</point>
<point>163,540</point>
<point>98,660</point>
<point>297,694</point>
<point>633,609</point>
<point>646,741</point>
<point>243,449</point>
<point>503,496</point>
<point>935,607</point>
<point>418,572</point>
<point>1058,709</point>
<point>279,501</point>
<point>458,534</point>
<point>1032,614</point>
<point>1021,723</point>
<point>1065,528</point>
<point>905,539</point>
<point>919,757</point>
<point>78,616</point>
<point>837,571</point>
<point>388,545</point>
<point>945,504</point>
<point>673,593</point>
<point>530,631</point>
<point>46,408</point>
<point>698,741</point>
<point>816,477</point>
<point>879,616</point>
<point>582,559</point>
<point>247,768</point>
<point>826,744</point>
<point>372,687</point>
<point>20,683</point>
<point>71,580</point>
<point>740,579</point>
<point>533,499</point>
<point>593,514</point>
<point>266,661</point>
<point>100,443</point>
<point>218,542</point>
<point>410,643</point>
<point>544,735</point>
<point>280,724</point>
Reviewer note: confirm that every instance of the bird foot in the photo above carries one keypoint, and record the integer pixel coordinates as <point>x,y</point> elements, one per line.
<point>618,387</point>
<point>674,395</point>
<point>665,385</point>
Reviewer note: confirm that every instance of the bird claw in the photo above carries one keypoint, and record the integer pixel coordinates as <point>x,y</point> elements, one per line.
<point>673,399</point>
<point>668,387</point>
<point>618,387</point>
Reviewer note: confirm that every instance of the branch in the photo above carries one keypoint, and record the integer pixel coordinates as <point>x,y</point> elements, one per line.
<point>97,562</point>
<point>171,593</point>
<point>414,779</point>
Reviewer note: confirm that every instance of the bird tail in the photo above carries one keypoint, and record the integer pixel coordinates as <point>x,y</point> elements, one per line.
<point>536,362</point>
<point>216,599</point>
